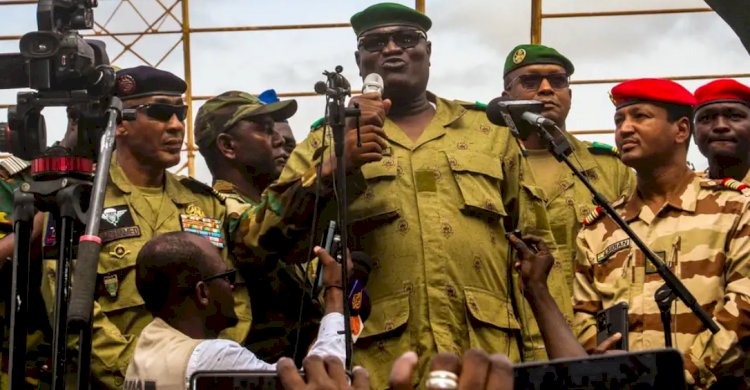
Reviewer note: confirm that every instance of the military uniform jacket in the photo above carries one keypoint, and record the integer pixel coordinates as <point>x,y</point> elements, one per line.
<point>557,217</point>
<point>703,235</point>
<point>127,224</point>
<point>432,213</point>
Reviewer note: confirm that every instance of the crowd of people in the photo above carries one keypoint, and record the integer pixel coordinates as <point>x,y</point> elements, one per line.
<point>194,277</point>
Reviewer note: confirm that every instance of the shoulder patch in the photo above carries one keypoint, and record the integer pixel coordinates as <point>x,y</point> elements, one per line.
<point>727,183</point>
<point>472,106</point>
<point>601,148</point>
<point>200,187</point>
<point>318,123</point>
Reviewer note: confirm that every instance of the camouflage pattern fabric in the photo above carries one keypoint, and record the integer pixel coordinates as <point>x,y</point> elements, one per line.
<point>703,235</point>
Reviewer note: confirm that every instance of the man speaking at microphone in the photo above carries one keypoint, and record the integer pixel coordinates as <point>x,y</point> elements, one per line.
<point>433,191</point>
<point>538,72</point>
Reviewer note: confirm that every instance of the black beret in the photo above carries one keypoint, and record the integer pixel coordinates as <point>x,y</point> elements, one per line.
<point>142,81</point>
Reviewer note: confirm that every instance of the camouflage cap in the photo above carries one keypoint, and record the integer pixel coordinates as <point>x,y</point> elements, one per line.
<point>526,54</point>
<point>222,112</point>
<point>388,14</point>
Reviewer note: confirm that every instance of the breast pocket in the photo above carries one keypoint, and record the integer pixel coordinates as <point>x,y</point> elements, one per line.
<point>478,177</point>
<point>115,284</point>
<point>379,203</point>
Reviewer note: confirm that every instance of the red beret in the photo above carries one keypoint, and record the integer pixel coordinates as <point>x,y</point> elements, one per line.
<point>650,90</point>
<point>723,90</point>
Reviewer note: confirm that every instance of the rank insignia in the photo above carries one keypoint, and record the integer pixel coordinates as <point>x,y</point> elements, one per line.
<point>612,249</point>
<point>119,252</point>
<point>210,228</point>
<point>111,284</point>
<point>650,267</point>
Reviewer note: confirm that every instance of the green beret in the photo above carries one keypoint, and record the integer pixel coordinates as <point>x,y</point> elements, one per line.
<point>389,14</point>
<point>223,111</point>
<point>523,55</point>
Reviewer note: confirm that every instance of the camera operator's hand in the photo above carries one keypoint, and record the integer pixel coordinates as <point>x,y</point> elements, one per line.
<point>372,136</point>
<point>605,347</point>
<point>321,373</point>
<point>478,370</point>
<point>533,264</point>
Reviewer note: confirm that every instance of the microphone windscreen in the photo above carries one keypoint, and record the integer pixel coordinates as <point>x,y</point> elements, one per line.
<point>495,111</point>
<point>373,83</point>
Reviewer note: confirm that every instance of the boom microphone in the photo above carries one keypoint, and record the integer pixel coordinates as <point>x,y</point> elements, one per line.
<point>373,83</point>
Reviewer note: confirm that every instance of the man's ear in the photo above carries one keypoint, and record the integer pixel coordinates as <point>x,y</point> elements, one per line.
<point>202,294</point>
<point>226,146</point>
<point>683,130</point>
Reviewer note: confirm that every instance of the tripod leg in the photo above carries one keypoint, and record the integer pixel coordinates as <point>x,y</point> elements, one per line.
<point>62,290</point>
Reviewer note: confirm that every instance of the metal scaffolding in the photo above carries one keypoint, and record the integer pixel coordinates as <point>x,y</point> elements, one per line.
<point>538,16</point>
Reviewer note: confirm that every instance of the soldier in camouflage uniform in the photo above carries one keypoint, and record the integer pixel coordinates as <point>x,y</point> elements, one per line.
<point>436,190</point>
<point>538,72</point>
<point>722,128</point>
<point>236,135</point>
<point>142,200</point>
<point>698,227</point>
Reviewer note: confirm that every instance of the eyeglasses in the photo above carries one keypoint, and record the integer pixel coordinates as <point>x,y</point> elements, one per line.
<point>230,276</point>
<point>531,82</point>
<point>163,112</point>
<point>404,39</point>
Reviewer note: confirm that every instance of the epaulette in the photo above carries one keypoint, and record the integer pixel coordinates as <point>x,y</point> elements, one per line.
<point>200,187</point>
<point>472,106</point>
<point>603,149</point>
<point>320,122</point>
<point>728,183</point>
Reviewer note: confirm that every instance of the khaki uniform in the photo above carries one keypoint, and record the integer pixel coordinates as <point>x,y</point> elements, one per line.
<point>703,235</point>
<point>275,288</point>
<point>563,210</point>
<point>128,222</point>
<point>432,213</point>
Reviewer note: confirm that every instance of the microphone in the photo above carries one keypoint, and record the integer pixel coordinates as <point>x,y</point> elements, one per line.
<point>504,111</point>
<point>537,120</point>
<point>358,300</point>
<point>373,83</point>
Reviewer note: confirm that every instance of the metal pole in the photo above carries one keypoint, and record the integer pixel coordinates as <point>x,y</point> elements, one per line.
<point>419,5</point>
<point>536,22</point>
<point>189,81</point>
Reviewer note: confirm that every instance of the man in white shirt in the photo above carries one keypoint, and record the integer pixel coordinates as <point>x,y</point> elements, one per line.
<point>188,288</point>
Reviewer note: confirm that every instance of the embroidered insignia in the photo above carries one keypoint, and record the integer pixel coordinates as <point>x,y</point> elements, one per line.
<point>210,228</point>
<point>112,215</point>
<point>126,84</point>
<point>612,249</point>
<point>519,56</point>
<point>195,210</point>
<point>651,268</point>
<point>111,284</point>
<point>119,252</point>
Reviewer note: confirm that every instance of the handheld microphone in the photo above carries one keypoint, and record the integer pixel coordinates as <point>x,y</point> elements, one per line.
<point>373,83</point>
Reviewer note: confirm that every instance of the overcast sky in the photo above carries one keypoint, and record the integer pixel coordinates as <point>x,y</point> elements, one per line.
<point>470,40</point>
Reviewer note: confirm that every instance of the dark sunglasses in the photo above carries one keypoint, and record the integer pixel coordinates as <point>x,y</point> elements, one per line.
<point>404,39</point>
<point>531,82</point>
<point>230,276</point>
<point>163,112</point>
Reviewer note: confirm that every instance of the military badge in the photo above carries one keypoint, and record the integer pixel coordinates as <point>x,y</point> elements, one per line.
<point>117,222</point>
<point>210,228</point>
<point>112,215</point>
<point>126,84</point>
<point>119,252</point>
<point>650,267</point>
<point>195,210</point>
<point>519,56</point>
<point>602,256</point>
<point>111,284</point>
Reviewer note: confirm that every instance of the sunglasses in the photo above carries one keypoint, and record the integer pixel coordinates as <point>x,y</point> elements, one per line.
<point>230,276</point>
<point>404,39</point>
<point>163,112</point>
<point>531,82</point>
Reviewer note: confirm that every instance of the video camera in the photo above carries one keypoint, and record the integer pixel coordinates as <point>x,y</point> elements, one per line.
<point>65,70</point>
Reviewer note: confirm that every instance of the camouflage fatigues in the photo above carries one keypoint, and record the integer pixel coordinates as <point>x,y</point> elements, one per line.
<point>128,222</point>
<point>565,209</point>
<point>276,289</point>
<point>703,235</point>
<point>431,213</point>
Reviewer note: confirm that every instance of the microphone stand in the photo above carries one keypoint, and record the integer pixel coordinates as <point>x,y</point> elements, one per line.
<point>673,286</point>
<point>337,88</point>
